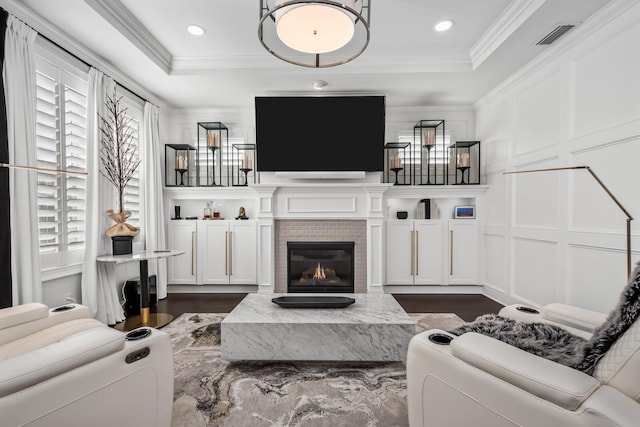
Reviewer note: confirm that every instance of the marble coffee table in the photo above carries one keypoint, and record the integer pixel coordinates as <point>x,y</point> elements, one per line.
<point>374,328</point>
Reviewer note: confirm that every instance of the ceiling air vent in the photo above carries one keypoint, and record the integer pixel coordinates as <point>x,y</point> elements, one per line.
<point>555,34</point>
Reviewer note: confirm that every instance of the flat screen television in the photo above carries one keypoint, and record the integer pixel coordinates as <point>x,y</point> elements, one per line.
<point>320,133</point>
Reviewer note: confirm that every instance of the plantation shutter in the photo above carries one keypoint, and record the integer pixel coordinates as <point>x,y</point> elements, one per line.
<point>49,203</point>
<point>61,121</point>
<point>133,113</point>
<point>132,190</point>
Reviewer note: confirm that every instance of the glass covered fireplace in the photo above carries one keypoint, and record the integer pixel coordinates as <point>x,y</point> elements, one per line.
<point>320,267</point>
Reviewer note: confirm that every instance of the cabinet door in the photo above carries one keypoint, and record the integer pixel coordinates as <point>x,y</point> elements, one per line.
<point>243,254</point>
<point>214,254</point>
<point>400,250</point>
<point>428,252</point>
<point>182,269</point>
<point>463,252</point>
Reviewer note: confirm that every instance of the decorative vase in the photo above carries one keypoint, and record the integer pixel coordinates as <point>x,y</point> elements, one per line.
<point>121,233</point>
<point>122,245</point>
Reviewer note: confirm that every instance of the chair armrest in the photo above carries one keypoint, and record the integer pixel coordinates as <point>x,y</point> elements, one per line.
<point>41,318</point>
<point>12,316</point>
<point>559,384</point>
<point>622,410</point>
<point>570,315</point>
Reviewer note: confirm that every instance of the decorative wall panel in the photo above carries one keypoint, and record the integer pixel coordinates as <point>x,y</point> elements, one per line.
<point>496,272</point>
<point>535,197</point>
<point>590,205</point>
<point>534,270</point>
<point>597,276</point>
<point>539,112</point>
<point>611,102</point>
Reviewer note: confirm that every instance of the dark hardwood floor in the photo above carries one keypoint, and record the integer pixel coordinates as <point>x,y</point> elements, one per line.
<point>467,306</point>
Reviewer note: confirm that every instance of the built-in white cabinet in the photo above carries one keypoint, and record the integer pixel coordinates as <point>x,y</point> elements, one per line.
<point>228,252</point>
<point>414,252</point>
<point>217,252</point>
<point>463,252</point>
<point>441,250</point>
<point>182,235</point>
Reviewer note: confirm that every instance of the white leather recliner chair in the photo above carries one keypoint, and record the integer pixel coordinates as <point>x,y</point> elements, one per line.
<point>61,367</point>
<point>473,379</point>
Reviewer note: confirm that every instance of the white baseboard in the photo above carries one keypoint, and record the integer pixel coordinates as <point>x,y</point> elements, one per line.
<point>432,289</point>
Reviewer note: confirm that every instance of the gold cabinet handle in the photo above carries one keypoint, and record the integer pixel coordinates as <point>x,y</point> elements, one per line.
<point>450,252</point>
<point>412,243</point>
<point>230,253</point>
<point>226,253</point>
<point>193,250</point>
<point>417,253</point>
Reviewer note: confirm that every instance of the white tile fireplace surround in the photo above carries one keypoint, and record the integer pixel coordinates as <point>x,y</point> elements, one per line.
<point>320,212</point>
<point>302,230</point>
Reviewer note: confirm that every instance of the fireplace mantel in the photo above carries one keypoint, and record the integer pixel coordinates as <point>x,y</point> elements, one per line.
<point>320,201</point>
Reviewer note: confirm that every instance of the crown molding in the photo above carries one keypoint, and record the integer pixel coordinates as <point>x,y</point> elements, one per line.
<point>114,12</point>
<point>502,28</point>
<point>75,48</point>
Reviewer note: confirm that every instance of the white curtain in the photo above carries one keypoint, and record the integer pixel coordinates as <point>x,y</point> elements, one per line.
<point>20,91</point>
<point>99,291</point>
<point>152,219</point>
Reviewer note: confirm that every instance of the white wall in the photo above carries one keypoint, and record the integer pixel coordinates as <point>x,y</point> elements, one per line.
<point>557,236</point>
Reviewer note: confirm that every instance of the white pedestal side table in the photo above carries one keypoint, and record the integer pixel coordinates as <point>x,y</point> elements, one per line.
<point>154,320</point>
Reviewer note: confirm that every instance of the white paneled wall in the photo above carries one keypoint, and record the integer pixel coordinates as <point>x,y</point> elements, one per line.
<point>557,236</point>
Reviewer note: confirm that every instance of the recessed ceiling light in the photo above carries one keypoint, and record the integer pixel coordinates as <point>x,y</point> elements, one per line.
<point>444,25</point>
<point>319,84</point>
<point>196,30</point>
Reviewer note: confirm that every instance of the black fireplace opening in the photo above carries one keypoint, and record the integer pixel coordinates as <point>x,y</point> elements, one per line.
<point>320,267</point>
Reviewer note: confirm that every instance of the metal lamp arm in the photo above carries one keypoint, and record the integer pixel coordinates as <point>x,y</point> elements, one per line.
<point>604,187</point>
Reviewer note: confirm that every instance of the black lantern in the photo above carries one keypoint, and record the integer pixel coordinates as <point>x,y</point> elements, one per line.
<point>464,160</point>
<point>431,167</point>
<point>243,158</point>
<point>213,140</point>
<point>397,163</point>
<point>181,162</point>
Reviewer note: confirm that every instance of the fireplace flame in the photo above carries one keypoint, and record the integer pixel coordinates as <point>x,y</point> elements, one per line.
<point>319,273</point>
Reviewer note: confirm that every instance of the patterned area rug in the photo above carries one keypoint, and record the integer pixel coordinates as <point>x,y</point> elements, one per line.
<point>210,391</point>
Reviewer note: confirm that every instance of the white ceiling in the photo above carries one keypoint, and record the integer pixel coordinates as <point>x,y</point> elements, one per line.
<point>406,60</point>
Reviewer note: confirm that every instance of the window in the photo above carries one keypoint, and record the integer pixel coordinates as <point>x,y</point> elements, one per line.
<point>61,130</point>
<point>61,124</point>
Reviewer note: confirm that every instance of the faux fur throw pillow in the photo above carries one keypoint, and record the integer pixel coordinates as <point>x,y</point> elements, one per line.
<point>555,343</point>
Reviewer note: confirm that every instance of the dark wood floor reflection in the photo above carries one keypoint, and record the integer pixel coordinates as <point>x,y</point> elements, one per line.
<point>467,306</point>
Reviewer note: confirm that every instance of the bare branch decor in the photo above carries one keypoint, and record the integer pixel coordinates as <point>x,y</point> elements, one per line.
<point>118,154</point>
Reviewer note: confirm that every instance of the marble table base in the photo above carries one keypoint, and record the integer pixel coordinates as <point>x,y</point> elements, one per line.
<point>374,328</point>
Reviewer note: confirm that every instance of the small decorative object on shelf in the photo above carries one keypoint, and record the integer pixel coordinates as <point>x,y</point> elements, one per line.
<point>213,140</point>
<point>208,211</point>
<point>397,159</point>
<point>242,163</point>
<point>431,166</point>
<point>464,157</point>
<point>467,212</point>
<point>181,160</point>
<point>242,214</point>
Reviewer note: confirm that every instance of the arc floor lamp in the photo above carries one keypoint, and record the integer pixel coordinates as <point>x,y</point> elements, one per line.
<point>604,187</point>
